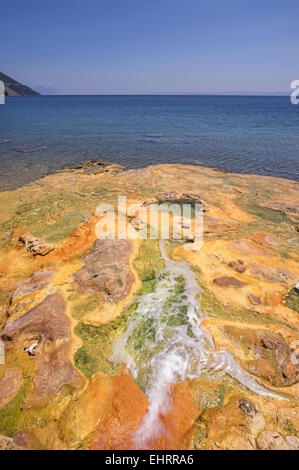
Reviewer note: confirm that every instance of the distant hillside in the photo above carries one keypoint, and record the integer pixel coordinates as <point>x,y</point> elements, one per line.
<point>14,88</point>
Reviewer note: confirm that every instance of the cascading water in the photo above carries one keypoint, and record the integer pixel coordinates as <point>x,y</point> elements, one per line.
<point>164,344</point>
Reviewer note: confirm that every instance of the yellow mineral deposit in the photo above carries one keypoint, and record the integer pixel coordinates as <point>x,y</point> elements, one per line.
<point>137,343</point>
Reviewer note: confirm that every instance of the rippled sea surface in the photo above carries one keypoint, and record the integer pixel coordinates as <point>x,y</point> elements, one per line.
<point>244,134</point>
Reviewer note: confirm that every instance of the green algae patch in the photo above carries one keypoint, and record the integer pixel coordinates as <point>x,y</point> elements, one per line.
<point>51,214</point>
<point>97,341</point>
<point>171,247</point>
<point>85,305</point>
<point>270,215</point>
<point>213,308</point>
<point>208,394</point>
<point>288,427</point>
<point>10,415</point>
<point>292,300</point>
<point>273,221</point>
<point>152,327</point>
<point>14,416</point>
<point>148,264</point>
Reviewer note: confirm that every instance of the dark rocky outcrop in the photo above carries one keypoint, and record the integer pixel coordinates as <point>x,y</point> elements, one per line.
<point>14,88</point>
<point>254,299</point>
<point>247,407</point>
<point>228,281</point>
<point>237,266</point>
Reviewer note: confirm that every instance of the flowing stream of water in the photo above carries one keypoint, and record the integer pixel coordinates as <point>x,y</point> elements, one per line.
<point>164,344</point>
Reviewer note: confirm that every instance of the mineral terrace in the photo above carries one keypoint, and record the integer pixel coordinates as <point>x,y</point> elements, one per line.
<point>66,297</point>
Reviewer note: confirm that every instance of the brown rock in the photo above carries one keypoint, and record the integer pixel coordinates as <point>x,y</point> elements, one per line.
<point>46,320</point>
<point>247,407</point>
<point>35,282</point>
<point>21,439</point>
<point>254,299</point>
<point>47,324</point>
<point>106,270</point>
<point>292,442</point>
<point>54,370</point>
<point>268,274</point>
<point>231,427</point>
<point>9,386</point>
<point>269,440</point>
<point>249,247</point>
<point>237,266</point>
<point>6,443</point>
<point>193,197</point>
<point>36,246</point>
<point>272,355</point>
<point>228,281</point>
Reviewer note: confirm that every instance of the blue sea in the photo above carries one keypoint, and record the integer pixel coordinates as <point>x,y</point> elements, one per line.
<point>243,134</point>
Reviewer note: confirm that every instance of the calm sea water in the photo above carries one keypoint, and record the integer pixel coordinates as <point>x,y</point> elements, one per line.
<point>244,134</point>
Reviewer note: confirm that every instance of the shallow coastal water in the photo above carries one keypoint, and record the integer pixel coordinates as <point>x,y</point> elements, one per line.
<point>243,134</point>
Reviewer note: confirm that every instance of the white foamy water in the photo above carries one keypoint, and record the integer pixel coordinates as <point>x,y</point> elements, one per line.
<point>168,346</point>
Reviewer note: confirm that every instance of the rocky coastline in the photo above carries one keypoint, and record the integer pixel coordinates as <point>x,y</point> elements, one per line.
<point>66,297</point>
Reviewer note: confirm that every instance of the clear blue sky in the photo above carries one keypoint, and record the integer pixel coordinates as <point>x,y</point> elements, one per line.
<point>148,46</point>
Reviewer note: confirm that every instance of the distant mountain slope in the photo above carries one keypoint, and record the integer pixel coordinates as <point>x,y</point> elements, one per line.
<point>14,88</point>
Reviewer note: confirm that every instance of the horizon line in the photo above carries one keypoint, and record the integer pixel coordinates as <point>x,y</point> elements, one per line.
<point>240,93</point>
